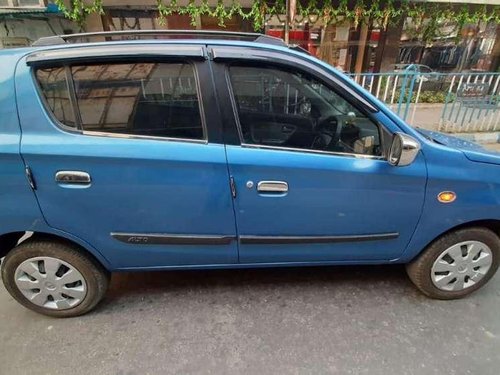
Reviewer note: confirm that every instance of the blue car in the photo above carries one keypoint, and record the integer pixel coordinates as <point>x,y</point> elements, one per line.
<point>188,150</point>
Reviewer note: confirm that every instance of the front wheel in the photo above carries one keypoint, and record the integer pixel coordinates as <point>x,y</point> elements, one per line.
<point>54,278</point>
<point>456,264</point>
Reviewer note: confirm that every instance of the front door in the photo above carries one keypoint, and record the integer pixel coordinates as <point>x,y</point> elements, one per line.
<point>127,155</point>
<point>311,177</point>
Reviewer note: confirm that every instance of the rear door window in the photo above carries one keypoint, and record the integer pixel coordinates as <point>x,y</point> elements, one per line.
<point>145,99</point>
<point>54,87</point>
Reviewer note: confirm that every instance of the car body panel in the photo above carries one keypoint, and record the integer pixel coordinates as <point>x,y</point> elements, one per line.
<point>483,156</point>
<point>18,206</point>
<point>123,167</point>
<point>139,187</point>
<point>329,195</point>
<point>476,185</point>
<point>471,150</point>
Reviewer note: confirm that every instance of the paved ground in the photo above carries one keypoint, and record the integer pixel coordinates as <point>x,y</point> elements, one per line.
<point>494,146</point>
<point>347,320</point>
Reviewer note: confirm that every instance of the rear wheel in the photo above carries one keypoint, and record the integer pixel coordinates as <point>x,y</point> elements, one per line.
<point>456,264</point>
<point>54,278</point>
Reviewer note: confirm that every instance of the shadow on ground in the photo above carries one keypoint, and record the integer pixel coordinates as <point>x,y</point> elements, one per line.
<point>132,286</point>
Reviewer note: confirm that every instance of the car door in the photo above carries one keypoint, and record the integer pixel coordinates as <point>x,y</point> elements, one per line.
<point>126,153</point>
<point>307,155</point>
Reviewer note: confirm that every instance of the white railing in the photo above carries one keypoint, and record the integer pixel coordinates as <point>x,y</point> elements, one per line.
<point>450,102</point>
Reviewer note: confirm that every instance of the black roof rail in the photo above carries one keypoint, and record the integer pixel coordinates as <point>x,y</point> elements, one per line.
<point>158,34</point>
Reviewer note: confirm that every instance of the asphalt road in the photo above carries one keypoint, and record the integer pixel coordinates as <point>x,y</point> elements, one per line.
<point>346,320</point>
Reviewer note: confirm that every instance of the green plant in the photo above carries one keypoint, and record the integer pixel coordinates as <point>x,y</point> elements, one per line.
<point>427,16</point>
<point>427,96</point>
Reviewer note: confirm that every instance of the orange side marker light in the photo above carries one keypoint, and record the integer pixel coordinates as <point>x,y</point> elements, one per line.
<point>446,197</point>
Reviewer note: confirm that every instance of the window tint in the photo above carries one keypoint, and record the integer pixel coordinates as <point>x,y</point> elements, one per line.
<point>55,88</point>
<point>288,109</point>
<point>151,99</point>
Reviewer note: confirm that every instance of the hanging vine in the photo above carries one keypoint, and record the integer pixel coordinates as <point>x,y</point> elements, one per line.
<point>79,9</point>
<point>427,17</point>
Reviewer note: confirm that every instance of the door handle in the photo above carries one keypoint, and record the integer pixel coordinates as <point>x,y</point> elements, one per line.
<point>73,177</point>
<point>272,187</point>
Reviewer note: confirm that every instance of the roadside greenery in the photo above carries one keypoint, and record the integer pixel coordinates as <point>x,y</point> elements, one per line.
<point>427,16</point>
<point>434,97</point>
<point>428,96</point>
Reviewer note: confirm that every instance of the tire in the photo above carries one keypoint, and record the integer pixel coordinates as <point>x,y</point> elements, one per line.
<point>37,254</point>
<point>422,274</point>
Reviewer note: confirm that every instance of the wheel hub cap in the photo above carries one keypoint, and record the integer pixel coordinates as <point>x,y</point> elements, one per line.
<point>461,266</point>
<point>462,269</point>
<point>50,286</point>
<point>51,283</point>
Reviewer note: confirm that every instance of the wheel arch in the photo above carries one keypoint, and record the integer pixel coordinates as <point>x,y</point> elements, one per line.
<point>491,224</point>
<point>8,241</point>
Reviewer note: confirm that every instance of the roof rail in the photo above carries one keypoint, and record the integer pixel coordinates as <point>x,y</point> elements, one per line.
<point>157,34</point>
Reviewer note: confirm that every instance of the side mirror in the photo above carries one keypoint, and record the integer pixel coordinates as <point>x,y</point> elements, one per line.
<point>404,150</point>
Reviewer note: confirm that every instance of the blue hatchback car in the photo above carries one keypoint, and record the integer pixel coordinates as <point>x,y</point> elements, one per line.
<point>182,150</point>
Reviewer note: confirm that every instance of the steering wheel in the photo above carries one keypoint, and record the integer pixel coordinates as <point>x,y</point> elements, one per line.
<point>328,131</point>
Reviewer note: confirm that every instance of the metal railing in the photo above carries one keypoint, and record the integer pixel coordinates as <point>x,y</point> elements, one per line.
<point>459,102</point>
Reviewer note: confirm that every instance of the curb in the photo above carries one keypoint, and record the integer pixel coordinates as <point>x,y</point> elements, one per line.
<point>479,137</point>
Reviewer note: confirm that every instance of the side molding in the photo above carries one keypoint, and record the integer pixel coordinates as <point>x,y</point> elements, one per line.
<point>171,239</point>
<point>194,239</point>
<point>276,240</point>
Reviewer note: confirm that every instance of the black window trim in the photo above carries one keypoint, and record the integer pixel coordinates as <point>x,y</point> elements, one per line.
<point>277,64</point>
<point>74,102</point>
<point>263,55</point>
<point>110,52</point>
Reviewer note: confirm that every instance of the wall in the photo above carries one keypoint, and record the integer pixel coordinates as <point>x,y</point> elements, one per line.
<point>32,28</point>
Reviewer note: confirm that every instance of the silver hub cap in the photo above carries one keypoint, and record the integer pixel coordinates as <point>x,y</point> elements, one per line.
<point>461,266</point>
<point>50,283</point>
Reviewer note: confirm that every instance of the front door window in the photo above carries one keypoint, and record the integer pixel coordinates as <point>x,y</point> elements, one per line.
<point>288,109</point>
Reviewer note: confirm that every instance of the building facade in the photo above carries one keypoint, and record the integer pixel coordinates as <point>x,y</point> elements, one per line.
<point>359,45</point>
<point>24,21</point>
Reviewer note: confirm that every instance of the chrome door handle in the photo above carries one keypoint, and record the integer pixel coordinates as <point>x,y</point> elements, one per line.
<point>272,187</point>
<point>73,177</point>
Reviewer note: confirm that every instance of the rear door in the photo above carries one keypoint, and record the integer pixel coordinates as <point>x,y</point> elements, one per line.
<point>126,152</point>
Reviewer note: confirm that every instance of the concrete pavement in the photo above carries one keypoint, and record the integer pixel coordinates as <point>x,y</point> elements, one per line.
<point>345,320</point>
<point>494,147</point>
<point>427,116</point>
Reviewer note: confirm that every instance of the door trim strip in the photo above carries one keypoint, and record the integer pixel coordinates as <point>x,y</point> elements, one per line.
<point>202,239</point>
<point>275,240</point>
<point>172,239</point>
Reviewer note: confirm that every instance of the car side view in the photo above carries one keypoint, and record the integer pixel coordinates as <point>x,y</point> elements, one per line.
<point>189,149</point>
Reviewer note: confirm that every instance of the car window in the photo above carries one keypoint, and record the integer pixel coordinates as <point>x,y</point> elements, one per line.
<point>147,99</point>
<point>55,89</point>
<point>281,108</point>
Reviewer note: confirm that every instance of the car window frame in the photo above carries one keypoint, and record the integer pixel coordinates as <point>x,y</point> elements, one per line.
<point>286,67</point>
<point>73,101</point>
